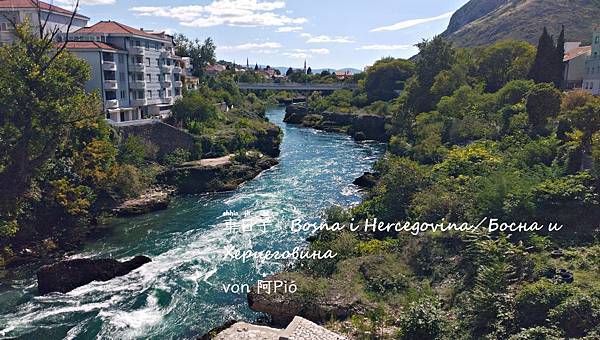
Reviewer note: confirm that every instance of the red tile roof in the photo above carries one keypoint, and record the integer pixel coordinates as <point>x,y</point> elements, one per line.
<point>113,27</point>
<point>576,52</point>
<point>88,45</point>
<point>33,4</point>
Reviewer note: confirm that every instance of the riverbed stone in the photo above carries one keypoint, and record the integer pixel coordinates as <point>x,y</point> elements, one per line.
<point>298,329</point>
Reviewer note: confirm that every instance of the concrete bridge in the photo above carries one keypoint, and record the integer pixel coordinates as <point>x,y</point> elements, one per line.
<point>307,87</point>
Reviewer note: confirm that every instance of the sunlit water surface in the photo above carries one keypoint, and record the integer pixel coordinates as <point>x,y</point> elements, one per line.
<point>180,293</point>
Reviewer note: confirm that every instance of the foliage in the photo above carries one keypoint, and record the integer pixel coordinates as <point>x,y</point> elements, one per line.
<point>386,77</point>
<point>536,300</point>
<point>423,320</point>
<point>202,54</point>
<point>548,65</point>
<point>543,102</point>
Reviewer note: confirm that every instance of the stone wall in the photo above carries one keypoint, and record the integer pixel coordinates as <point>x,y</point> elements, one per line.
<point>166,137</point>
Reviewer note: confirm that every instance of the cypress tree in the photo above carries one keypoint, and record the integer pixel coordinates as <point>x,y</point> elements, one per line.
<point>559,68</point>
<point>542,70</point>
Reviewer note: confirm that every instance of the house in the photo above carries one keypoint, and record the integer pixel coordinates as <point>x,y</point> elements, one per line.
<point>136,71</point>
<point>574,61</point>
<point>20,10</point>
<point>213,70</point>
<point>591,79</point>
<point>343,75</point>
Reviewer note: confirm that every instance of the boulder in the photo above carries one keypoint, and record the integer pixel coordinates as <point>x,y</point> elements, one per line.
<point>367,180</point>
<point>146,203</point>
<point>67,275</point>
<point>283,307</point>
<point>295,113</point>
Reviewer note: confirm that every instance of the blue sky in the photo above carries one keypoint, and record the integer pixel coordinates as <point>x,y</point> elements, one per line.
<point>328,33</point>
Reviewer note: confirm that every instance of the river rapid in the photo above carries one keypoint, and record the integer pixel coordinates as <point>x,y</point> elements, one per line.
<point>180,293</point>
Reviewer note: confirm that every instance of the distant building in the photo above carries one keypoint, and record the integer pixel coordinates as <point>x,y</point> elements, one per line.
<point>342,75</point>
<point>591,79</point>
<point>213,70</point>
<point>574,60</point>
<point>21,10</point>
<point>136,71</point>
<point>190,82</point>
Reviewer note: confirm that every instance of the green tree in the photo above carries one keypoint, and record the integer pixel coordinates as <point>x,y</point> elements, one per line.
<point>387,76</point>
<point>309,71</point>
<point>202,54</point>
<point>548,64</point>
<point>193,107</point>
<point>289,72</point>
<point>543,102</point>
<point>43,98</point>
<point>503,62</point>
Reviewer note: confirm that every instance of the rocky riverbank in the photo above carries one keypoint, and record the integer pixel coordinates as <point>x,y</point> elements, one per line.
<point>216,175</point>
<point>360,126</point>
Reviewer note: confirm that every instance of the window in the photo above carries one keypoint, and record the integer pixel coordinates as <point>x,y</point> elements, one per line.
<point>170,93</point>
<point>598,40</point>
<point>158,77</point>
<point>140,94</point>
<point>157,62</point>
<point>122,76</point>
<point>3,27</point>
<point>147,45</point>
<point>122,94</point>
<point>177,92</point>
<point>110,95</point>
<point>147,61</point>
<point>121,58</point>
<point>149,94</point>
<point>148,77</point>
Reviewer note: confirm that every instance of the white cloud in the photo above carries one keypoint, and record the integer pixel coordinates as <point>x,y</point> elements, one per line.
<point>306,53</point>
<point>86,2</point>
<point>410,23</point>
<point>287,29</point>
<point>385,47</point>
<point>327,39</point>
<point>255,47</point>
<point>246,13</point>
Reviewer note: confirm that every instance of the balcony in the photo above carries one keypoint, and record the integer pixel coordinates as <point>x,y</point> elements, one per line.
<point>166,68</point>
<point>167,100</point>
<point>111,104</point>
<point>178,83</point>
<point>136,50</point>
<point>137,67</point>
<point>166,83</point>
<point>109,65</point>
<point>138,85</point>
<point>111,85</point>
<point>165,54</point>
<point>177,69</point>
<point>139,102</point>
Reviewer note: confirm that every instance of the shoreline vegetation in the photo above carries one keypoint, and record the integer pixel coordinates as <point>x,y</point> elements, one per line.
<point>473,132</point>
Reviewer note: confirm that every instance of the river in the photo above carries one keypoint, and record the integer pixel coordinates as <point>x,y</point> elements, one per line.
<point>180,293</point>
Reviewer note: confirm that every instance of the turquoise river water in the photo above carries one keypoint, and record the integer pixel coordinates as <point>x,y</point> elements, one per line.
<point>180,295</point>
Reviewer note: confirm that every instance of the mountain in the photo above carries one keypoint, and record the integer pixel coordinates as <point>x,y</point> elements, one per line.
<point>482,22</point>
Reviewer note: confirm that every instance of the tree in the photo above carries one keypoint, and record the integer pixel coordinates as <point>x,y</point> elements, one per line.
<point>548,65</point>
<point>43,98</point>
<point>386,77</point>
<point>309,71</point>
<point>503,62</point>
<point>325,73</point>
<point>543,102</point>
<point>435,56</point>
<point>289,72</point>
<point>201,54</point>
<point>256,67</point>
<point>193,108</point>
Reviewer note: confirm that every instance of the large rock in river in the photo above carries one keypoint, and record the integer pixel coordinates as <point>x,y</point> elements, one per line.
<point>67,275</point>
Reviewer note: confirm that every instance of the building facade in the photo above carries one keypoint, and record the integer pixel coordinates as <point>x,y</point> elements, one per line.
<point>19,11</point>
<point>574,63</point>
<point>136,71</point>
<point>591,80</point>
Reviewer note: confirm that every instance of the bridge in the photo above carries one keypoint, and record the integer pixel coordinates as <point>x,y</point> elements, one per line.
<point>307,87</point>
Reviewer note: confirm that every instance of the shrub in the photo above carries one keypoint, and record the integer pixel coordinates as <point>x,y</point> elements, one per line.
<point>538,333</point>
<point>535,301</point>
<point>176,157</point>
<point>424,319</point>
<point>576,315</point>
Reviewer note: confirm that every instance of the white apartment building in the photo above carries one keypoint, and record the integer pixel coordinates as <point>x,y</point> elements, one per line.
<point>21,10</point>
<point>591,79</point>
<point>136,71</point>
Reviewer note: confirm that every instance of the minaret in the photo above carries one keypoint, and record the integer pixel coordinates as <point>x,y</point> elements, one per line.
<point>247,63</point>
<point>305,66</point>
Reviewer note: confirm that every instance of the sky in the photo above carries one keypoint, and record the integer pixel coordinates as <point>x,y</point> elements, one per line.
<point>281,33</point>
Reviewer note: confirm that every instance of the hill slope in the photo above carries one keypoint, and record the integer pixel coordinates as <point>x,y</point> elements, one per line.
<point>481,22</point>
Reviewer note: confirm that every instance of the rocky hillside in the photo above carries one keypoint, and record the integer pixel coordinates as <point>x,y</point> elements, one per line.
<point>481,22</point>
